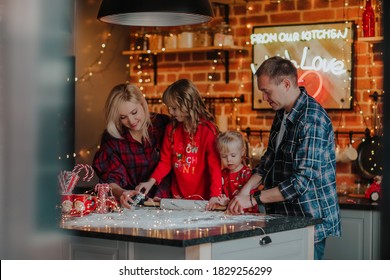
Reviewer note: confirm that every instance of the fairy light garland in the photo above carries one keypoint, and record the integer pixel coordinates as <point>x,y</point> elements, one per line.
<point>83,153</point>
<point>145,218</point>
<point>233,114</point>
<point>143,62</point>
<point>346,60</point>
<point>144,76</point>
<point>97,64</point>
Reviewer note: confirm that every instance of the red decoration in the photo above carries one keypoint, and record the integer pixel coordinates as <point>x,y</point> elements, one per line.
<point>368,20</point>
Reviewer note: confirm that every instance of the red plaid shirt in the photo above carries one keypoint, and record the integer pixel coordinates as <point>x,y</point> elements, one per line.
<point>127,162</point>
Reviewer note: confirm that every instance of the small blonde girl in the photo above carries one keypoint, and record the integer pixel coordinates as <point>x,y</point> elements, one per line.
<point>235,173</point>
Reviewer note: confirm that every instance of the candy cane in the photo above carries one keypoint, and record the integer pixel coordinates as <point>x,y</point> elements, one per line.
<point>64,179</point>
<point>102,191</point>
<point>91,173</point>
<point>88,171</point>
<point>61,181</point>
<point>72,181</point>
<point>77,168</point>
<point>68,179</point>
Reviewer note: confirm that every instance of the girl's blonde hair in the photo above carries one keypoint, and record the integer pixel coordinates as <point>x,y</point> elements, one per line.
<point>120,94</point>
<point>229,138</point>
<point>183,95</point>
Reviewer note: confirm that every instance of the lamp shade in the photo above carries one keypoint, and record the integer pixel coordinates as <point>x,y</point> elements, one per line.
<point>155,12</point>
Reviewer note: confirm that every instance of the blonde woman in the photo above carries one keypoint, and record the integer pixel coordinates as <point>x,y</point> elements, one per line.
<point>189,147</point>
<point>130,145</point>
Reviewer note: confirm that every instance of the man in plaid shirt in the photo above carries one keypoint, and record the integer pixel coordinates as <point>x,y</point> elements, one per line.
<point>298,170</point>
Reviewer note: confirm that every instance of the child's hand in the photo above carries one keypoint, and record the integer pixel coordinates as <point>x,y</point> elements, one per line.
<point>126,198</point>
<point>223,200</point>
<point>146,186</point>
<point>213,203</point>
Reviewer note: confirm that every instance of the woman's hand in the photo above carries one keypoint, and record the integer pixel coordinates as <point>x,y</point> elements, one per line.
<point>125,198</point>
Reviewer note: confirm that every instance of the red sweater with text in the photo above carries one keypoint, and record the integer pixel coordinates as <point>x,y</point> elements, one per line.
<point>195,162</point>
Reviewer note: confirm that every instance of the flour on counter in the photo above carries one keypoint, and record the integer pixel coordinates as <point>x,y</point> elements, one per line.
<point>162,219</point>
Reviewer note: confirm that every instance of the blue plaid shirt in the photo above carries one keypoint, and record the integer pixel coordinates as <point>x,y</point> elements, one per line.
<point>304,166</point>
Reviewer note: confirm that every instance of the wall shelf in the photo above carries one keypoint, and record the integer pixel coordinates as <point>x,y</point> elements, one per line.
<point>183,50</point>
<point>155,53</point>
<point>377,39</point>
<point>223,6</point>
<point>229,2</point>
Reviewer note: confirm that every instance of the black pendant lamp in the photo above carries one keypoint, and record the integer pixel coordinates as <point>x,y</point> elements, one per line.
<point>155,12</point>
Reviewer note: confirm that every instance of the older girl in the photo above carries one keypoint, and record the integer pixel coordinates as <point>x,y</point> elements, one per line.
<point>189,147</point>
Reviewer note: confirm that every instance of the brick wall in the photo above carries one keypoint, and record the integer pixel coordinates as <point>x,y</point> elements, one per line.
<point>195,66</point>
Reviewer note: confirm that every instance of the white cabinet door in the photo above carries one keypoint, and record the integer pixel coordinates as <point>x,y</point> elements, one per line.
<point>295,244</point>
<point>360,237</point>
<point>84,248</point>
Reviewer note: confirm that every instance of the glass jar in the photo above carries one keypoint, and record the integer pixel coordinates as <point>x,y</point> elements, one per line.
<point>186,38</point>
<point>223,35</point>
<point>203,36</point>
<point>155,40</point>
<point>170,40</point>
<point>141,41</point>
<point>358,187</point>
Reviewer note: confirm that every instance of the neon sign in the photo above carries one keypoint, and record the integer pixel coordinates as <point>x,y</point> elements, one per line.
<point>322,54</point>
<point>315,34</point>
<point>318,63</point>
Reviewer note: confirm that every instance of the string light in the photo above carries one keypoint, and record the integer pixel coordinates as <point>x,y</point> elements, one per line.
<point>81,154</point>
<point>96,65</point>
<point>144,77</point>
<point>154,220</point>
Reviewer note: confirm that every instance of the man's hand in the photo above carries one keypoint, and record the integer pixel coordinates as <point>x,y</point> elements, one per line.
<point>239,203</point>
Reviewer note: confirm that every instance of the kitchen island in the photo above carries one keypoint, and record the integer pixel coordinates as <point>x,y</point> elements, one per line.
<point>203,235</point>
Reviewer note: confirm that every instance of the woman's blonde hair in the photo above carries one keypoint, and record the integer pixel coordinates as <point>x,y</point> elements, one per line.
<point>120,94</point>
<point>229,138</point>
<point>184,95</point>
